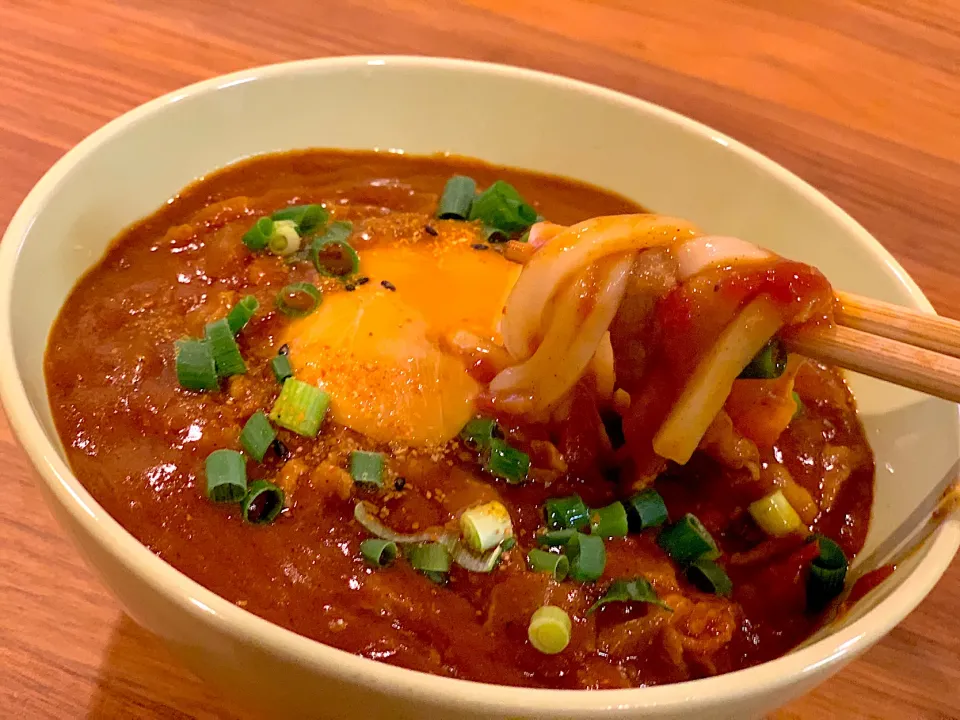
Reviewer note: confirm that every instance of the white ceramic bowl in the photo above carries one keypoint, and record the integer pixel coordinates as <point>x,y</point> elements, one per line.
<point>417,105</point>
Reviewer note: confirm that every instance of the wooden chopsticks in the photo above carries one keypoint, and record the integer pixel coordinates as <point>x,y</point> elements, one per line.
<point>903,346</point>
<point>923,330</point>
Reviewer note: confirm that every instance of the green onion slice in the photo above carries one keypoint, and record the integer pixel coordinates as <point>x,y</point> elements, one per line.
<point>485,526</point>
<point>226,352</point>
<point>285,239</point>
<point>429,557</point>
<point>457,198</point>
<point>549,629</point>
<point>775,515</point>
<point>300,408</point>
<point>500,206</point>
<point>379,553</point>
<point>226,476</point>
<point>555,538</point>
<point>710,577</point>
<point>769,363</point>
<point>469,560</point>
<point>196,368</point>
<point>258,237</point>
<point>505,462</point>
<point>831,555</point>
<point>282,370</point>
<point>241,313</point>
<point>554,563</point>
<point>257,435</point>
<point>688,540</point>
<point>366,468</point>
<point>566,512</point>
<point>609,521</point>
<point>646,509</point>
<point>478,433</point>
<point>262,503</point>
<point>305,217</point>
<point>298,299</point>
<point>587,556</point>
<point>827,574</point>
<point>332,255</point>
<point>636,589</point>
<point>494,235</point>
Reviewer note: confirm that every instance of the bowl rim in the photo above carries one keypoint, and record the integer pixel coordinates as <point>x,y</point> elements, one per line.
<point>205,606</point>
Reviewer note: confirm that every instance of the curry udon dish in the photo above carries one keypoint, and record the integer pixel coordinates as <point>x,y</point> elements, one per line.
<point>468,420</point>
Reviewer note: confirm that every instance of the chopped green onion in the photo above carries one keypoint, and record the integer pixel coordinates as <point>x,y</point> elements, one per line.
<point>549,629</point>
<point>508,544</point>
<point>566,512</point>
<point>827,574</point>
<point>478,433</point>
<point>457,198</point>
<point>257,435</point>
<point>298,299</point>
<point>305,217</point>
<point>636,589</point>
<point>226,352</point>
<point>332,255</point>
<point>366,467</point>
<point>688,540</point>
<point>494,235</point>
<point>554,563</point>
<point>226,476</point>
<point>609,521</point>
<point>196,368</point>
<point>485,526</point>
<point>555,538</point>
<point>775,515</point>
<point>587,557</point>
<point>437,578</point>
<point>300,407</point>
<point>800,406</point>
<point>769,363</point>
<point>262,503</point>
<point>285,239</point>
<point>241,313</point>
<point>831,554</point>
<point>500,206</point>
<point>282,370</point>
<point>429,558</point>
<point>503,461</point>
<point>710,577</point>
<point>258,237</point>
<point>465,558</point>
<point>378,553</point>
<point>646,509</point>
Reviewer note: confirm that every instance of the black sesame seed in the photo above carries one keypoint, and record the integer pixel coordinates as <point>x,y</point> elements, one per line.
<point>430,230</point>
<point>388,285</point>
<point>480,246</point>
<point>284,349</point>
<point>349,288</point>
<point>399,483</point>
<point>362,280</point>
<point>281,449</point>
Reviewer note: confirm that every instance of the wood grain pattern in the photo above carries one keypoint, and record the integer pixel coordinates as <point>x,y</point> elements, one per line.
<point>858,98</point>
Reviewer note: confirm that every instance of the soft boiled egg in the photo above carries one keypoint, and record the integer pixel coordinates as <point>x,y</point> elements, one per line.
<point>378,351</point>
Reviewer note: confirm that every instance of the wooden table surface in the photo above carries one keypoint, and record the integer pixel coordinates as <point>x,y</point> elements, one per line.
<point>858,98</point>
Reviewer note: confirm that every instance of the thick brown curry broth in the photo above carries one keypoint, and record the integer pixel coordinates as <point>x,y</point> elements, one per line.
<point>138,442</point>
